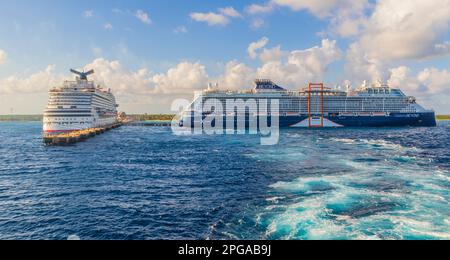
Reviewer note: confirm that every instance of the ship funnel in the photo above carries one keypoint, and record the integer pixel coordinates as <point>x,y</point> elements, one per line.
<point>83,75</point>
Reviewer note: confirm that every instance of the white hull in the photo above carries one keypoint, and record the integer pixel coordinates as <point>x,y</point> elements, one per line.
<point>52,126</point>
<point>79,105</point>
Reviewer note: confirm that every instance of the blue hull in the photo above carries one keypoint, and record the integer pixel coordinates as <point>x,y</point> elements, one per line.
<point>394,120</point>
<point>427,119</point>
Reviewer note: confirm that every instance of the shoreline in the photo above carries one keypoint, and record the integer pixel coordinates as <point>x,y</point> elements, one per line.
<point>137,117</point>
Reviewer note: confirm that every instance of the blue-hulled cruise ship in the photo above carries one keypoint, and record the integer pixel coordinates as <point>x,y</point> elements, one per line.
<point>315,106</point>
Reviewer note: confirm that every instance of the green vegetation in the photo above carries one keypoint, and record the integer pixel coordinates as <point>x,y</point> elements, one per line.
<point>145,117</point>
<point>15,118</point>
<point>30,118</point>
<point>443,117</point>
<point>160,117</point>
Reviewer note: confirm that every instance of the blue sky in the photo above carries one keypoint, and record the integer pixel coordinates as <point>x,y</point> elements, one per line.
<point>65,34</point>
<point>51,32</point>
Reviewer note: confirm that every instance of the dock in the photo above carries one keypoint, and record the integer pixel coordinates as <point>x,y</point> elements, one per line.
<point>150,123</point>
<point>77,136</point>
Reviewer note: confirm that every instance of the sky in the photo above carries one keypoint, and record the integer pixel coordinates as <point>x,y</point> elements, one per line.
<point>151,52</point>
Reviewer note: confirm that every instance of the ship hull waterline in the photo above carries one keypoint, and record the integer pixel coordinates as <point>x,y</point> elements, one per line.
<point>426,119</point>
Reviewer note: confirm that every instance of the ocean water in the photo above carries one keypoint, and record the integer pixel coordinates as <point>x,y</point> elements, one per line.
<point>146,183</point>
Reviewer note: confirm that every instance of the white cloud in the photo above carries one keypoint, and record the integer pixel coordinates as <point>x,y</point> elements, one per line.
<point>273,54</point>
<point>286,67</point>
<point>236,76</point>
<point>301,66</point>
<point>230,12</point>
<point>121,80</point>
<point>429,81</point>
<point>180,30</point>
<point>257,23</point>
<point>255,46</point>
<point>260,9</point>
<point>318,8</point>
<point>398,31</point>
<point>88,13</point>
<point>221,18</point>
<point>346,17</point>
<point>143,17</point>
<point>3,57</point>
<point>431,85</point>
<point>34,83</point>
<point>401,78</point>
<point>321,9</point>
<point>108,26</point>
<point>407,29</point>
<point>184,78</point>
<point>211,18</point>
<point>360,66</point>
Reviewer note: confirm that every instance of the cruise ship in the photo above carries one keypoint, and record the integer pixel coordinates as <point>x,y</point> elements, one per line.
<point>314,106</point>
<point>78,105</point>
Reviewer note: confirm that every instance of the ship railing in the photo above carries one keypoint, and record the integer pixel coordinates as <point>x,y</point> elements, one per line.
<point>72,84</point>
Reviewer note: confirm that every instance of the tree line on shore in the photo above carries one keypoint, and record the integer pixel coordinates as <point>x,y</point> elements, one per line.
<point>143,117</point>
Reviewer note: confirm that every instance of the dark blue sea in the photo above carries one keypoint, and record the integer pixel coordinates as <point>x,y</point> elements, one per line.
<point>147,183</point>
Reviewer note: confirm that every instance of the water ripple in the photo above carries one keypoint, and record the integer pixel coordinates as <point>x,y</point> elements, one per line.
<point>146,183</point>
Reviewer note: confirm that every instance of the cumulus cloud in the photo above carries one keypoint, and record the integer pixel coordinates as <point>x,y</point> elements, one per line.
<point>407,30</point>
<point>346,16</point>
<point>184,78</point>
<point>108,26</point>
<point>255,46</point>
<point>301,66</point>
<point>384,32</point>
<point>431,85</point>
<point>398,31</point>
<point>3,57</point>
<point>360,66</point>
<point>143,17</point>
<point>427,82</point>
<point>318,8</point>
<point>273,54</point>
<point>211,18</point>
<point>230,12</point>
<point>259,8</point>
<point>220,18</point>
<point>236,75</point>
<point>257,23</point>
<point>121,80</point>
<point>180,30</point>
<point>38,82</point>
<point>88,13</point>
<point>287,67</point>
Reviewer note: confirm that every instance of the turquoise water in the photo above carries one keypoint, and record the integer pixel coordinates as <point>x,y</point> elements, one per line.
<point>146,183</point>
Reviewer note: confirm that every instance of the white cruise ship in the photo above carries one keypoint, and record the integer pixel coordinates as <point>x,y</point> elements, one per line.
<point>313,107</point>
<point>78,105</point>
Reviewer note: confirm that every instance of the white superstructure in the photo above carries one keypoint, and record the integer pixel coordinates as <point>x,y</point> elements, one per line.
<point>315,106</point>
<point>78,105</point>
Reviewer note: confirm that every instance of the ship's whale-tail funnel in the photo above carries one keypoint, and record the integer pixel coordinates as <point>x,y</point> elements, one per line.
<point>83,75</point>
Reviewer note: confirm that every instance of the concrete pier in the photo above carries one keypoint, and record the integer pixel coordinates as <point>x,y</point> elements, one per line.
<point>77,136</point>
<point>150,123</point>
